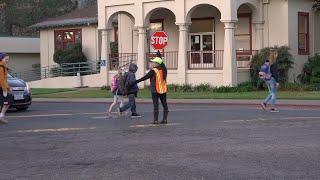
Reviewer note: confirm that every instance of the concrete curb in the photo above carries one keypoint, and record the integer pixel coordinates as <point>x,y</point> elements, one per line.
<point>299,104</point>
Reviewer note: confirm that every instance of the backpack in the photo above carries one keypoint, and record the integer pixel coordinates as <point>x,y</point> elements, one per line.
<point>123,84</point>
<point>265,73</point>
<point>114,83</point>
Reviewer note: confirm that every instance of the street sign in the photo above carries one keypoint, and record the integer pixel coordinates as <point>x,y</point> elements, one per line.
<point>159,40</point>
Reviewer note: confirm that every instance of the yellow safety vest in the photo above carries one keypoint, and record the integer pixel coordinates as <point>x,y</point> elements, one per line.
<point>161,85</point>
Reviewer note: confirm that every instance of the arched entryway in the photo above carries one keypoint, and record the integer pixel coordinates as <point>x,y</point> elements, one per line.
<point>245,35</point>
<point>206,38</point>
<point>123,47</point>
<point>163,19</point>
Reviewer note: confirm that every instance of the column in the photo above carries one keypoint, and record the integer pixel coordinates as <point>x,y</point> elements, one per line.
<point>142,44</point>
<point>183,56</point>
<point>229,55</point>
<point>259,34</point>
<point>135,40</point>
<point>105,51</point>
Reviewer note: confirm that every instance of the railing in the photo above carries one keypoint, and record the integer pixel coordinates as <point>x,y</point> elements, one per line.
<point>66,69</point>
<point>121,59</point>
<point>245,57</point>
<point>170,59</point>
<point>205,59</point>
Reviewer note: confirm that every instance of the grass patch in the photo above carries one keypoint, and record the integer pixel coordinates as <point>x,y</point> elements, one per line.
<point>98,93</point>
<point>38,91</point>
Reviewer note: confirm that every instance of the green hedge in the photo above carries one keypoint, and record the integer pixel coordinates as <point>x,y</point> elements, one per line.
<point>311,71</point>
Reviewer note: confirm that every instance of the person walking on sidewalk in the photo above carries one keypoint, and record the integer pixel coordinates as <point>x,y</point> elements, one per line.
<point>5,96</point>
<point>115,90</point>
<point>273,82</point>
<point>158,88</point>
<point>133,89</point>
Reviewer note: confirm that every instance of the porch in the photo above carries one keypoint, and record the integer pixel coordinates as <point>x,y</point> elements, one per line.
<point>197,60</point>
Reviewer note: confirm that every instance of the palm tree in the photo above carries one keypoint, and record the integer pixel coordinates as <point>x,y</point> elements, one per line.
<point>316,6</point>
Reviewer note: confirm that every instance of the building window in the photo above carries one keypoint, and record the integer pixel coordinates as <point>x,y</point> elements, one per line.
<point>243,34</point>
<point>303,33</point>
<point>116,34</point>
<point>65,39</point>
<point>155,25</point>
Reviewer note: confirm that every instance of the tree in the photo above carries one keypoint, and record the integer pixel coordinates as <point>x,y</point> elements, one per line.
<point>27,12</point>
<point>316,6</point>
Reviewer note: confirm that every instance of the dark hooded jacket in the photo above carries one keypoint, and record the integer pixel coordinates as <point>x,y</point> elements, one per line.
<point>274,71</point>
<point>131,78</point>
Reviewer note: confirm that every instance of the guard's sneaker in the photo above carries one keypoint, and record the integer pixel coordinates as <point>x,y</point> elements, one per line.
<point>3,121</point>
<point>164,122</point>
<point>119,111</point>
<point>274,111</point>
<point>135,115</point>
<point>264,106</point>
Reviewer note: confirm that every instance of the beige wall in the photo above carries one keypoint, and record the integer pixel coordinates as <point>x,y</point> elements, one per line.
<point>126,34</point>
<point>68,82</point>
<point>19,45</point>
<point>276,23</point>
<point>296,6</point>
<point>23,51</point>
<point>90,44</point>
<point>23,62</point>
<point>95,80</point>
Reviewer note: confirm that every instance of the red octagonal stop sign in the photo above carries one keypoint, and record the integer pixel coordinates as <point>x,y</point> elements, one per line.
<point>159,40</point>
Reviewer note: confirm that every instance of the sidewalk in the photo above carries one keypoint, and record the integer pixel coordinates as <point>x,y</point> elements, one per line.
<point>227,102</point>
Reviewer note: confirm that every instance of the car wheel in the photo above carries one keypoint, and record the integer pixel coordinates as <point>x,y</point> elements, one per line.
<point>22,108</point>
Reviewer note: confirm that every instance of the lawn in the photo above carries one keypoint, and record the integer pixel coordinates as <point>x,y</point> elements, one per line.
<point>97,93</point>
<point>38,91</point>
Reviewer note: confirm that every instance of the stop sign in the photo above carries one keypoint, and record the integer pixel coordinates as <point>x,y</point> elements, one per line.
<point>159,40</point>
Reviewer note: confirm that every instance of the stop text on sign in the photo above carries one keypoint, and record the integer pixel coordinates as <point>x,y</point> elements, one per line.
<point>159,40</point>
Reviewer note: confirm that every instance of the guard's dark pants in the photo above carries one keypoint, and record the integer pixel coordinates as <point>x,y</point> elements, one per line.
<point>163,99</point>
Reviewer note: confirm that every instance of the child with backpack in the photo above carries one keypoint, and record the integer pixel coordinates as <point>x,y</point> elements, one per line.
<point>269,73</point>
<point>131,90</point>
<point>117,96</point>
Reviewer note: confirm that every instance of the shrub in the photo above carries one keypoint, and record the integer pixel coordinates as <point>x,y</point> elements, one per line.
<point>202,88</point>
<point>224,89</point>
<point>105,88</point>
<point>291,87</point>
<point>185,88</point>
<point>173,87</point>
<point>246,87</point>
<point>285,61</point>
<point>74,55</point>
<point>311,71</point>
<point>114,48</point>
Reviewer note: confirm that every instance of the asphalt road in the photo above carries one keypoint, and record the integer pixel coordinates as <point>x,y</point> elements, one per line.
<point>77,141</point>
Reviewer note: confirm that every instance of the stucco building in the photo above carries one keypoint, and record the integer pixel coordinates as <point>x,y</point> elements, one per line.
<point>24,52</point>
<point>210,41</point>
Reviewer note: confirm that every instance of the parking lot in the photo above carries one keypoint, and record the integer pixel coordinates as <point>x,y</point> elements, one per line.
<point>78,141</point>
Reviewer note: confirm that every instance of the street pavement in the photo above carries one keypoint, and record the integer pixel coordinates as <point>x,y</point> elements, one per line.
<point>58,140</point>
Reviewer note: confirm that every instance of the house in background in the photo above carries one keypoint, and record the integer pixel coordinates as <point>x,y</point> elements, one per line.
<point>79,26</point>
<point>212,41</point>
<point>24,52</point>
